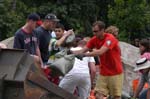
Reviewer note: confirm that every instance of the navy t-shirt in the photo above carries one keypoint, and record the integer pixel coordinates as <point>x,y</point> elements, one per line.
<point>44,37</point>
<point>28,41</point>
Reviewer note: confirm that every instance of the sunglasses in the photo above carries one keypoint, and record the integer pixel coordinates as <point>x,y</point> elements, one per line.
<point>95,31</point>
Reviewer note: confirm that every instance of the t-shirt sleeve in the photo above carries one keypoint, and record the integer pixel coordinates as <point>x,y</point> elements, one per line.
<point>90,44</point>
<point>40,37</point>
<point>37,36</point>
<point>18,43</point>
<point>110,42</point>
<point>52,44</point>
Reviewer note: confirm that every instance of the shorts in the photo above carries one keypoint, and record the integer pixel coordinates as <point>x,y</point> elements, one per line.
<point>110,85</point>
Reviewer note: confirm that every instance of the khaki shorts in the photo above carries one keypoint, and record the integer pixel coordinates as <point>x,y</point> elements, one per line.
<point>109,85</point>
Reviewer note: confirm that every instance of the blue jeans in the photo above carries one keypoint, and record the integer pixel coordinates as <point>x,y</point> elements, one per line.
<point>143,94</point>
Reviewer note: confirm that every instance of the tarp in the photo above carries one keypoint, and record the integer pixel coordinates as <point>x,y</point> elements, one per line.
<point>129,55</point>
<point>8,42</point>
<point>14,66</point>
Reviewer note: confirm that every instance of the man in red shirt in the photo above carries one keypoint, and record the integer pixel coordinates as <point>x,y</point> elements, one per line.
<point>111,71</point>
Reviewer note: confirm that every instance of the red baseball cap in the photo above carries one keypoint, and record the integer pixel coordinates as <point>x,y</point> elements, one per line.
<point>39,22</point>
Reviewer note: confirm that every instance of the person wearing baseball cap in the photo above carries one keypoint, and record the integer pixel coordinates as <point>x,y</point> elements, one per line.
<point>25,38</point>
<point>44,34</point>
<point>52,17</point>
<point>143,65</point>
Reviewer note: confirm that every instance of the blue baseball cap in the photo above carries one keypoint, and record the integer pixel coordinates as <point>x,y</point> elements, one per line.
<point>33,16</point>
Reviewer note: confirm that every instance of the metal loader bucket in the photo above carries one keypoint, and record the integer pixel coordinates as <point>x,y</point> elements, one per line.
<point>21,78</point>
<point>37,86</point>
<point>14,65</point>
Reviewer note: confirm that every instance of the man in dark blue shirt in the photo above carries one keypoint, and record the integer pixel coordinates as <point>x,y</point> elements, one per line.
<point>25,37</point>
<point>44,35</point>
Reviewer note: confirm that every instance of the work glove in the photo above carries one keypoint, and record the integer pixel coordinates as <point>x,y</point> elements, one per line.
<point>69,52</point>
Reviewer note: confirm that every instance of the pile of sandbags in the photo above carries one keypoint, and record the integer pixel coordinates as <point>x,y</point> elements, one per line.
<point>129,54</point>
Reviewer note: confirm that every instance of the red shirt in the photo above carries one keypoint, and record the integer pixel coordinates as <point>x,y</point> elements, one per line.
<point>110,61</point>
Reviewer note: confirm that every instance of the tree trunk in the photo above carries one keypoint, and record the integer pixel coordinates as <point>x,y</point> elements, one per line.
<point>13,4</point>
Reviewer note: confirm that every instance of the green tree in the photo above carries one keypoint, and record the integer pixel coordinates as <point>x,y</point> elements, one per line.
<point>131,17</point>
<point>77,14</point>
<point>10,19</point>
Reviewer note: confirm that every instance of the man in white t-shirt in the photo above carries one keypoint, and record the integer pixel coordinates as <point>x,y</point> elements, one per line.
<point>79,76</point>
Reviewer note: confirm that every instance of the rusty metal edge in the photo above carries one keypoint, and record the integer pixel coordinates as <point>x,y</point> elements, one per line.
<point>41,82</point>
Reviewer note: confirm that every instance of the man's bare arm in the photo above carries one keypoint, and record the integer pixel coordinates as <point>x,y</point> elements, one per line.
<point>97,52</point>
<point>83,50</point>
<point>62,39</point>
<point>92,69</point>
<point>38,53</point>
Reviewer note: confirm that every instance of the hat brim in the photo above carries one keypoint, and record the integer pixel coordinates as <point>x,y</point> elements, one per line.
<point>56,20</point>
<point>143,67</point>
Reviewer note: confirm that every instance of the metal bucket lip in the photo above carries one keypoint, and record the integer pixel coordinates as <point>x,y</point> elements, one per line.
<point>12,62</point>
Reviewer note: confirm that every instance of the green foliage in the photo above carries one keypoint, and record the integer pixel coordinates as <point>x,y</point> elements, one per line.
<point>72,13</point>
<point>131,18</point>
<point>10,20</point>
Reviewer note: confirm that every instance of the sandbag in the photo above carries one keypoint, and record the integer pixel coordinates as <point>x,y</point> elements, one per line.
<point>63,63</point>
<point>70,38</point>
